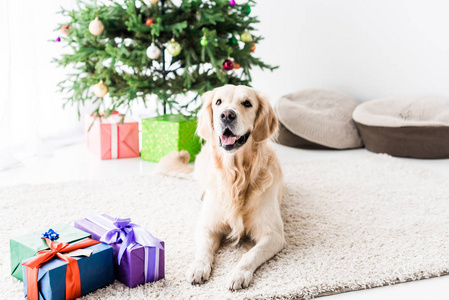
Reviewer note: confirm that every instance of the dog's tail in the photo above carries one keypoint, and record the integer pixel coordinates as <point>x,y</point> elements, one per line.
<point>175,164</point>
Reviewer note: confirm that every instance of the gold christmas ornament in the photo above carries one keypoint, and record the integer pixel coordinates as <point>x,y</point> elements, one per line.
<point>173,47</point>
<point>96,27</point>
<point>153,2</point>
<point>101,89</point>
<point>246,37</point>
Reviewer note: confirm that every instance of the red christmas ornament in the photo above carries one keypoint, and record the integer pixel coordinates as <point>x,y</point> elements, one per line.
<point>232,2</point>
<point>149,22</point>
<point>65,29</point>
<point>228,65</point>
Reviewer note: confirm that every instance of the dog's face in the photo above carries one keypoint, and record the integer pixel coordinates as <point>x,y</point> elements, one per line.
<point>232,115</point>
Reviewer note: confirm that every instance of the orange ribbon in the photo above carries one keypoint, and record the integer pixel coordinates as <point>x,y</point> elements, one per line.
<point>73,281</point>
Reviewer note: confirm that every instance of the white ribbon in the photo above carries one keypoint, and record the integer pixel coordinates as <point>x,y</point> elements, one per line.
<point>156,265</point>
<point>114,135</point>
<point>146,264</point>
<point>114,140</point>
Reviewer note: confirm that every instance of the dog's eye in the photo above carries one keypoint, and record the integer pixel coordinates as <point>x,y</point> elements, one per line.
<point>218,102</point>
<point>247,104</point>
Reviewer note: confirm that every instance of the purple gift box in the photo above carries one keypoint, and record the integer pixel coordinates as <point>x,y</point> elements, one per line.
<point>139,257</point>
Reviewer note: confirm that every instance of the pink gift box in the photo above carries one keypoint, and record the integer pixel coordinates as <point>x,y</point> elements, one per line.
<point>108,139</point>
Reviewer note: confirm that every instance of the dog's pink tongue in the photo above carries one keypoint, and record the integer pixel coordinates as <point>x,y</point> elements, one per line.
<point>228,140</point>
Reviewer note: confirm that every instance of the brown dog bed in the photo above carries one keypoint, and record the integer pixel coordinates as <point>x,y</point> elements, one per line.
<point>405,127</point>
<point>317,119</point>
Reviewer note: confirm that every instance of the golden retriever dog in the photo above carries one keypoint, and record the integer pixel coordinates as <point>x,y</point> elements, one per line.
<point>242,181</point>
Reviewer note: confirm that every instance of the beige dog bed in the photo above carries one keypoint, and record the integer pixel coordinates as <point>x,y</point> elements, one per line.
<point>405,127</point>
<point>317,119</point>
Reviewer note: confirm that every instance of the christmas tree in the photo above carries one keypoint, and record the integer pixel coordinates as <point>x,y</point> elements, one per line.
<point>134,48</point>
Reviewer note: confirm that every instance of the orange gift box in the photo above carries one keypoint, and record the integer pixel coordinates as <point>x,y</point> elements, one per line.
<point>108,138</point>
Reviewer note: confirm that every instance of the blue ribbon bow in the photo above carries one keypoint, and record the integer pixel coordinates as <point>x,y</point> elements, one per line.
<point>129,234</point>
<point>50,234</point>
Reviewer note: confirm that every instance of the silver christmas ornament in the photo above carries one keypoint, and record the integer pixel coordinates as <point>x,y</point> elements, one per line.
<point>153,52</point>
<point>96,27</point>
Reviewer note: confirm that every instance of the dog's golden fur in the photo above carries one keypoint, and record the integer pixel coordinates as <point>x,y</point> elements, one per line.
<point>243,186</point>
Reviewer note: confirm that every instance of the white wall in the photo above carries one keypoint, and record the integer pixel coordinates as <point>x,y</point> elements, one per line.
<point>30,106</point>
<point>367,48</point>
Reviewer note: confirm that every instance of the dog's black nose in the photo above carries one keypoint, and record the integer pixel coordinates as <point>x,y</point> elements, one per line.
<point>228,116</point>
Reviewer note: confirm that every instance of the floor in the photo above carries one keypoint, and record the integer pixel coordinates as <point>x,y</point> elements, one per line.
<point>74,162</point>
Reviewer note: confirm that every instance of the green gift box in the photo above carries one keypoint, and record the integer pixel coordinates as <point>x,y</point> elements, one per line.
<point>30,244</point>
<point>168,133</point>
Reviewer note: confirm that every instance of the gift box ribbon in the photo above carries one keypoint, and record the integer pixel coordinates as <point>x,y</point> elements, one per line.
<point>130,234</point>
<point>114,132</point>
<point>73,280</point>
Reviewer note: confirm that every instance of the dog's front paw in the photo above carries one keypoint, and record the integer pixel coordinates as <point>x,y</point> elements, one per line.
<point>239,279</point>
<point>199,272</point>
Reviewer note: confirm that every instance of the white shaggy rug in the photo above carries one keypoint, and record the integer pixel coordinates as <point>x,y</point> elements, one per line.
<point>349,225</point>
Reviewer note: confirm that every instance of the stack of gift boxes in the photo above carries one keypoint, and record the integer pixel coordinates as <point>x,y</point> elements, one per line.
<point>117,136</point>
<point>66,262</point>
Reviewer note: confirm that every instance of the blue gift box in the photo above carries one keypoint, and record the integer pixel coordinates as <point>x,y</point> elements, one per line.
<point>96,271</point>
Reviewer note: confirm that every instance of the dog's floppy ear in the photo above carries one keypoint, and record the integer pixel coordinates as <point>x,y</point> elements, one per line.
<point>205,129</point>
<point>266,121</point>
